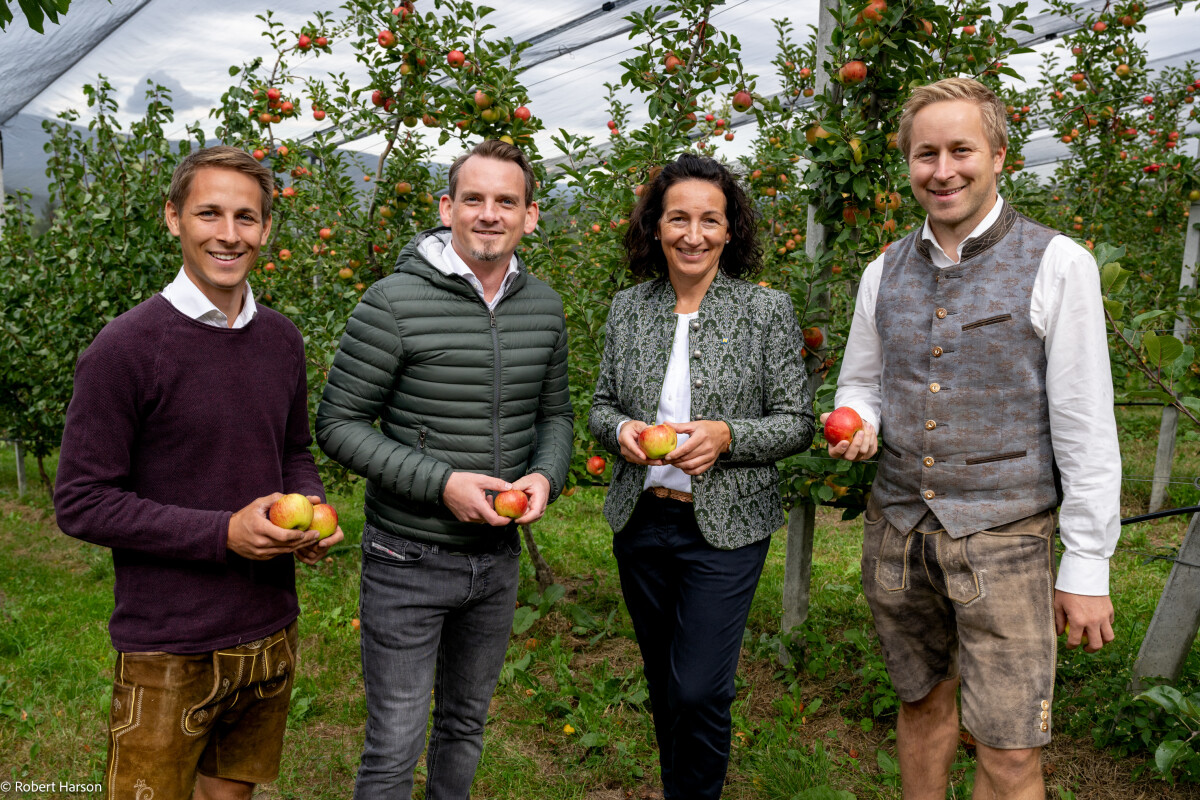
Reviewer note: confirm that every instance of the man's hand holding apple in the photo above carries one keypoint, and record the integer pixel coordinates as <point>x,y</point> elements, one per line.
<point>863,445</point>
<point>466,497</point>
<point>537,486</point>
<point>312,554</point>
<point>253,536</point>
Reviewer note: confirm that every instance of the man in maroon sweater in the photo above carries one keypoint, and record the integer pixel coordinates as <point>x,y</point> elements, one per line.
<point>189,418</point>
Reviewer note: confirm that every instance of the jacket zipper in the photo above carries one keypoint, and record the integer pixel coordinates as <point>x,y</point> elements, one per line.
<point>496,393</point>
<point>421,442</point>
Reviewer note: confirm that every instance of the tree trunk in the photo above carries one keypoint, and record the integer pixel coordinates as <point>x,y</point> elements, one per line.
<point>542,571</point>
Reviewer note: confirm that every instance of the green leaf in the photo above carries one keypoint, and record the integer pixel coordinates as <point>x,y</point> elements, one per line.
<point>1113,278</point>
<point>1106,253</point>
<point>1168,753</point>
<point>523,619</point>
<point>1162,349</point>
<point>1163,695</point>
<point>1115,308</point>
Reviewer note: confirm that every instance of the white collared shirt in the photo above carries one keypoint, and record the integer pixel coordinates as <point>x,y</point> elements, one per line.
<point>1067,314</point>
<point>190,301</point>
<point>448,262</point>
<point>675,404</point>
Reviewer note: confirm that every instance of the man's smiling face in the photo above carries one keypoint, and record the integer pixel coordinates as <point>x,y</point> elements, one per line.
<point>221,229</point>
<point>490,213</point>
<point>953,167</point>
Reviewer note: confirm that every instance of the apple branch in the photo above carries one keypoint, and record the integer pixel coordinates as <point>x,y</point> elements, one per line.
<point>1154,375</point>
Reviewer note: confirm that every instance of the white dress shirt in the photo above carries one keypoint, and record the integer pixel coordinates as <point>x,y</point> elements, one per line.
<point>1067,314</point>
<point>674,405</point>
<point>187,298</point>
<point>447,260</point>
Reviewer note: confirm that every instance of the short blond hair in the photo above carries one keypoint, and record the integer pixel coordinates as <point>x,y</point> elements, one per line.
<point>991,109</point>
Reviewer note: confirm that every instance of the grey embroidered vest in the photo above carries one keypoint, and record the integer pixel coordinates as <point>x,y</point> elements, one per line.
<point>966,426</point>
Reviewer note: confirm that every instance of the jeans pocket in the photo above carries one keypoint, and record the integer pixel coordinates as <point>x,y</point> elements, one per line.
<point>891,564</point>
<point>387,548</point>
<point>962,582</point>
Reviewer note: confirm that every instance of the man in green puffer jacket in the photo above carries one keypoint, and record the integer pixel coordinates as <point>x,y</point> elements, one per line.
<point>461,356</point>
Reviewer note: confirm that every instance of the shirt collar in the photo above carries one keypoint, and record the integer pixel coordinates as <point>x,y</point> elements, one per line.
<point>450,263</point>
<point>187,298</point>
<point>984,225</point>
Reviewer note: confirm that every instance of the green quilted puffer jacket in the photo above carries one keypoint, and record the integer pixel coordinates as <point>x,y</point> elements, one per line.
<point>454,387</point>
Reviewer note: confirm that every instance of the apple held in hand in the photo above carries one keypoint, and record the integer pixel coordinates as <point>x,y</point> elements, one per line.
<point>324,519</point>
<point>292,511</point>
<point>841,425</point>
<point>657,440</point>
<point>511,504</point>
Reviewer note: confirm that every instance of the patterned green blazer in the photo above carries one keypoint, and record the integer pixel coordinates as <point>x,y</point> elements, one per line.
<point>746,371</point>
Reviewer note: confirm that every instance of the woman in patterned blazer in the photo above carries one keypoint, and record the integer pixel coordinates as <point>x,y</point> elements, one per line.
<point>718,358</point>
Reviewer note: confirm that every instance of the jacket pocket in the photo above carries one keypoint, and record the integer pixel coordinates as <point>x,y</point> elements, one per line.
<point>970,462</point>
<point>979,323</point>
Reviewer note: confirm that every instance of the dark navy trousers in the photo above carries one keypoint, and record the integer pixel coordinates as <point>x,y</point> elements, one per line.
<point>689,603</point>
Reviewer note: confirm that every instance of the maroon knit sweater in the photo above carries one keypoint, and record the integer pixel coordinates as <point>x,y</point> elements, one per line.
<point>173,426</point>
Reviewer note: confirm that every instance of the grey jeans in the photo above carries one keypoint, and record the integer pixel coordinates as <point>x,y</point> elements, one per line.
<point>433,622</point>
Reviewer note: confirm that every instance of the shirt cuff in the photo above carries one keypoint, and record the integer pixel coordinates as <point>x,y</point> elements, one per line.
<point>1086,576</point>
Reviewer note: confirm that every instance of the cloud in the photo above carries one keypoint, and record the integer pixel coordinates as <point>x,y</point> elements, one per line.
<point>181,98</point>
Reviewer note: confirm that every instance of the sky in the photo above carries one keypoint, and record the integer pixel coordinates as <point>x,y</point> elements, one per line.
<point>189,47</point>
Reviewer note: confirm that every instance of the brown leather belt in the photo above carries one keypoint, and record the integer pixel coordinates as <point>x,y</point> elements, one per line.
<point>670,494</point>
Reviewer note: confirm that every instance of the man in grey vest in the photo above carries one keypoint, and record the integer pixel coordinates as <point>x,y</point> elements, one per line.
<point>978,350</point>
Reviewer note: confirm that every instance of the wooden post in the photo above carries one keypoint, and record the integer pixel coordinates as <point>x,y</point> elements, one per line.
<point>21,484</point>
<point>802,517</point>
<point>1176,619</point>
<point>1165,455</point>
<point>797,570</point>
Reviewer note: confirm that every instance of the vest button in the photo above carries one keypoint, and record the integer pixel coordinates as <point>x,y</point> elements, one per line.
<point>695,354</point>
<point>937,352</point>
<point>928,494</point>
<point>928,461</point>
<point>695,324</point>
<point>941,313</point>
<point>698,383</point>
<point>930,424</point>
<point>935,387</point>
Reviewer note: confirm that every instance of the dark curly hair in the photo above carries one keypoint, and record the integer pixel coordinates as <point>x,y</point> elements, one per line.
<point>740,258</point>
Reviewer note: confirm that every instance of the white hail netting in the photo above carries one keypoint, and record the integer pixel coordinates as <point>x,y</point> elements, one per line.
<point>577,47</point>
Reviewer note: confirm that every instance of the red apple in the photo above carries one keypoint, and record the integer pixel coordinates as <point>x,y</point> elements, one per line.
<point>511,504</point>
<point>292,511</point>
<point>386,39</point>
<point>324,519</point>
<point>456,58</point>
<point>304,43</point>
<point>319,114</point>
<point>273,94</point>
<point>742,101</point>
<point>853,72</point>
<point>657,440</point>
<point>325,233</point>
<point>841,425</point>
<point>377,99</point>
<point>1100,27</point>
<point>482,100</point>
<point>522,113</point>
<point>595,465</point>
<point>321,41</point>
<point>813,338</point>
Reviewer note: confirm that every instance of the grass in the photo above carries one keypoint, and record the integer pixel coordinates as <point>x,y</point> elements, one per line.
<point>825,730</point>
